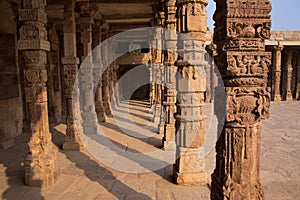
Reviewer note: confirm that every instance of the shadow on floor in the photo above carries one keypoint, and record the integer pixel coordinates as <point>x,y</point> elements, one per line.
<point>104,178</point>
<point>13,161</point>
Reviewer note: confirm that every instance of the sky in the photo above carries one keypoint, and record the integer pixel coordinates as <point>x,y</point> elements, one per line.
<point>285,14</point>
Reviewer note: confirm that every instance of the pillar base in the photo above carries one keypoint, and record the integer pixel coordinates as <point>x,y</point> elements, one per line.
<point>169,137</point>
<point>107,107</point>
<point>169,146</point>
<point>195,178</point>
<point>232,191</point>
<point>160,129</point>
<point>72,146</point>
<point>190,167</point>
<point>102,119</point>
<point>277,98</point>
<point>289,97</point>
<point>41,170</point>
<point>7,144</point>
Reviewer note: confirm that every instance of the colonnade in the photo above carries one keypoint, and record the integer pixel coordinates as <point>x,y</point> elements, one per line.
<point>179,85</point>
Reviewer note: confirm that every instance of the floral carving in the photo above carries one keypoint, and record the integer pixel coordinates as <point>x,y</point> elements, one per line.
<point>247,106</point>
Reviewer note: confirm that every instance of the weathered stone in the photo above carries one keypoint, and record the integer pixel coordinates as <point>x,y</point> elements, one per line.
<point>70,62</point>
<point>244,71</point>
<point>191,86</point>
<point>40,164</point>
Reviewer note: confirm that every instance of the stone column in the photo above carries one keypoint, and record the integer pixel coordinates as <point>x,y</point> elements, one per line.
<point>86,21</point>
<point>54,75</point>
<point>115,83</point>
<point>105,82</point>
<point>160,71</point>
<point>152,70</point>
<point>170,74</point>
<point>97,71</point>
<point>211,49</point>
<point>112,83</point>
<point>288,73</point>
<point>40,164</point>
<point>298,77</point>
<point>191,86</point>
<point>276,96</point>
<point>240,33</point>
<point>70,63</point>
<point>157,78</point>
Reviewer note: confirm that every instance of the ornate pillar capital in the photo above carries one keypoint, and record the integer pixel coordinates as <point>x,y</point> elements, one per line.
<point>279,48</point>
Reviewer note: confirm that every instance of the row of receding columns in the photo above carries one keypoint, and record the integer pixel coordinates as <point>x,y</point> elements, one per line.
<point>285,74</point>
<point>237,170</point>
<point>96,107</point>
<point>179,86</point>
<point>40,164</point>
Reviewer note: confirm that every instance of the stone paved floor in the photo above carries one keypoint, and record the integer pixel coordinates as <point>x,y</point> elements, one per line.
<point>82,177</point>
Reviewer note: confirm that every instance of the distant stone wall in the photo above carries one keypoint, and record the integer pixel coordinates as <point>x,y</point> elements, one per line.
<point>11,107</point>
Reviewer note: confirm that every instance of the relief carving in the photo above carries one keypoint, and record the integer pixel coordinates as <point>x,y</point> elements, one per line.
<point>247,106</point>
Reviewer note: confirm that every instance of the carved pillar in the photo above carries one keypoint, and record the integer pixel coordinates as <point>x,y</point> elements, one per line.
<point>170,74</point>
<point>214,79</point>
<point>86,21</point>
<point>191,85</point>
<point>152,70</point>
<point>97,71</point>
<point>161,73</point>
<point>70,63</point>
<point>157,78</point>
<point>298,77</point>
<point>241,28</point>
<point>277,74</point>
<point>115,83</point>
<point>40,164</point>
<point>112,83</point>
<point>288,73</point>
<point>105,82</point>
<point>54,81</point>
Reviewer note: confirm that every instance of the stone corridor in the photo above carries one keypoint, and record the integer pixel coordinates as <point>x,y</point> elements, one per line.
<point>82,177</point>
